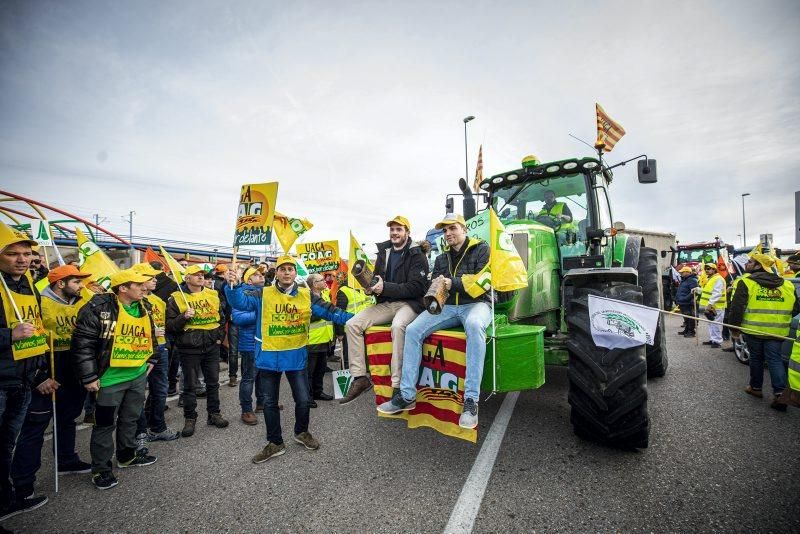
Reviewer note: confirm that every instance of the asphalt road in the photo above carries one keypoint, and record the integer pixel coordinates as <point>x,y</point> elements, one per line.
<point>718,461</point>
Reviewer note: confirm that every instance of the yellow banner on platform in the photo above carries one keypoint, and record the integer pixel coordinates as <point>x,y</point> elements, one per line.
<point>256,214</point>
<point>320,256</point>
<point>92,260</point>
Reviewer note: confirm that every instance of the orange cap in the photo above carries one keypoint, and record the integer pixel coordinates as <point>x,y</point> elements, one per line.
<point>65,271</point>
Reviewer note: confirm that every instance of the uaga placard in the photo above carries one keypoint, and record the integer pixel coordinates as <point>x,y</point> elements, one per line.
<point>255,214</point>
<point>320,256</point>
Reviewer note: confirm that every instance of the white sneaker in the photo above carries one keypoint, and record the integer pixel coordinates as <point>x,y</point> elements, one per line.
<point>469,416</point>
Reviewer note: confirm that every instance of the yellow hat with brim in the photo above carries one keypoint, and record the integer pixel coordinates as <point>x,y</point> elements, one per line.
<point>285,259</point>
<point>9,236</point>
<point>765,261</point>
<point>686,270</point>
<point>710,266</point>
<point>249,272</point>
<point>402,221</point>
<point>128,275</point>
<point>451,218</point>
<point>194,269</point>
<point>146,268</point>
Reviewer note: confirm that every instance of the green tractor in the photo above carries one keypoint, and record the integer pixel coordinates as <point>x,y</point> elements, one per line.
<point>571,252</point>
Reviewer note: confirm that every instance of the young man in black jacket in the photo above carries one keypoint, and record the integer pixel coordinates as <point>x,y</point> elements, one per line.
<point>114,348</point>
<point>402,271</point>
<point>462,256</point>
<point>23,344</point>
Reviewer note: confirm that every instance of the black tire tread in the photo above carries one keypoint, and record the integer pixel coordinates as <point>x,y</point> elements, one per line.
<point>656,353</point>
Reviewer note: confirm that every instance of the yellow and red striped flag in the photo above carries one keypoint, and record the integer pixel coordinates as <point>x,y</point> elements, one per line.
<point>608,131</point>
<point>478,171</point>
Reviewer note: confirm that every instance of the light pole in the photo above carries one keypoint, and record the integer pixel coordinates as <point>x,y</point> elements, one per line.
<point>466,153</point>
<point>744,224</point>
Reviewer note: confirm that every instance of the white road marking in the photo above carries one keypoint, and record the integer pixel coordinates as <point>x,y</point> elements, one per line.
<point>462,518</point>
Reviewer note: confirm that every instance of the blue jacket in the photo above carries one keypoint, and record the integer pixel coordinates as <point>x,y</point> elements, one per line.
<point>246,321</point>
<point>684,295</point>
<point>281,360</point>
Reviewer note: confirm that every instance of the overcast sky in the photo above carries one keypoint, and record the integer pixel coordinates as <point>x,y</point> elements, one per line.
<point>356,108</point>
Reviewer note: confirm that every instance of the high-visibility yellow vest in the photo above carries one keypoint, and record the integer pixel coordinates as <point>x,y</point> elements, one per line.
<point>133,340</point>
<point>555,211</point>
<point>357,300</point>
<point>285,319</point>
<point>321,331</point>
<point>706,294</point>
<point>59,319</point>
<point>206,308</point>
<point>769,310</point>
<point>159,308</point>
<point>29,309</point>
<point>794,358</point>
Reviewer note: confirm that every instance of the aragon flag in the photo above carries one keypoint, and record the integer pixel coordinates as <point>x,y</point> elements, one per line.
<point>505,270</point>
<point>608,131</point>
<point>478,171</point>
<point>92,260</point>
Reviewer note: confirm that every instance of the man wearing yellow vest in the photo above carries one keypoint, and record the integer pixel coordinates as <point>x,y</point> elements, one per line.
<point>152,417</point>
<point>61,301</point>
<point>114,347</point>
<point>790,353</point>
<point>763,304</point>
<point>195,316</point>
<point>282,327</point>
<point>23,343</point>
<point>712,304</point>
<point>557,215</point>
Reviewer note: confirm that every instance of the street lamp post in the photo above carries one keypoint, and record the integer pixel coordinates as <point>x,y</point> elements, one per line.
<point>744,224</point>
<point>466,153</point>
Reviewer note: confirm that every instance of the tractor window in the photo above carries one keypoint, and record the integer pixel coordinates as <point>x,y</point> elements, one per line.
<point>559,202</point>
<point>700,255</point>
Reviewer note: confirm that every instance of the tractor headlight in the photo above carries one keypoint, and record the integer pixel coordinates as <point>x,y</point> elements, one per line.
<point>552,168</point>
<point>590,165</point>
<point>512,177</point>
<point>571,165</point>
<point>497,180</point>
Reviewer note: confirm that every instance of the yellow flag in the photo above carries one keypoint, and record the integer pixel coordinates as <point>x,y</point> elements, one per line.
<point>174,266</point>
<point>288,229</point>
<point>256,214</point>
<point>505,270</point>
<point>93,260</point>
<point>356,253</point>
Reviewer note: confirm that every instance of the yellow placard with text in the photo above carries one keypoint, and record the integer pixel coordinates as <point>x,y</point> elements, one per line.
<point>256,214</point>
<point>320,256</point>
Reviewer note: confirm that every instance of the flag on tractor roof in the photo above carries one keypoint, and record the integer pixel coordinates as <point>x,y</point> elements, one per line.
<point>478,171</point>
<point>609,132</point>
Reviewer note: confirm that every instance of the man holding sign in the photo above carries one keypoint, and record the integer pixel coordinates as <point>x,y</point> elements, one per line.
<point>23,343</point>
<point>114,347</point>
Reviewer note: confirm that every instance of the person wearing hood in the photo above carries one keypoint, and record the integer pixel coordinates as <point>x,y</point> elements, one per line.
<point>684,298</point>
<point>283,321</point>
<point>763,304</point>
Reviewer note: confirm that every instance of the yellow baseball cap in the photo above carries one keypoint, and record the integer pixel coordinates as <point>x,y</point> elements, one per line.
<point>402,221</point>
<point>10,236</point>
<point>686,270</point>
<point>194,269</point>
<point>765,261</point>
<point>451,218</point>
<point>128,275</point>
<point>146,268</point>
<point>285,259</point>
<point>249,272</point>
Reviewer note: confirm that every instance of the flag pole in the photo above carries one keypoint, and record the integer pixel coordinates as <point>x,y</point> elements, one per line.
<point>11,299</point>
<point>494,350</point>
<point>55,421</point>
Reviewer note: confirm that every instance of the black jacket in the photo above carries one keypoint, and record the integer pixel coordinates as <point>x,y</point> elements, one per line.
<point>410,280</point>
<point>741,295</point>
<point>193,341</point>
<point>31,371</point>
<point>93,336</point>
<point>475,258</point>
<point>165,286</point>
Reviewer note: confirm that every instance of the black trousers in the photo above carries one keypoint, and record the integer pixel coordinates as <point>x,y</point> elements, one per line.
<point>192,363</point>
<point>689,325</point>
<point>315,368</point>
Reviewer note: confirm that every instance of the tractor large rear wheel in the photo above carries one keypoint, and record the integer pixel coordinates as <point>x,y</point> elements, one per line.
<point>607,387</point>
<point>648,279</point>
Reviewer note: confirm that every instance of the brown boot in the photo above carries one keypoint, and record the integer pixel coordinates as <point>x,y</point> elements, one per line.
<point>188,427</point>
<point>249,418</point>
<point>357,387</point>
<point>233,382</point>
<point>216,419</point>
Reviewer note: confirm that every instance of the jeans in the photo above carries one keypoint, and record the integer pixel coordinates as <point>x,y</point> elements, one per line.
<point>271,383</point>
<point>475,318</point>
<point>157,381</point>
<point>14,401</point>
<point>118,408</point>
<point>191,363</point>
<point>770,350</point>
<point>233,350</point>
<point>28,454</point>
<point>250,375</point>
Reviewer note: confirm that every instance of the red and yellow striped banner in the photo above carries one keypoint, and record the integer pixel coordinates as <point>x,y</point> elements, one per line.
<point>440,388</point>
<point>608,130</point>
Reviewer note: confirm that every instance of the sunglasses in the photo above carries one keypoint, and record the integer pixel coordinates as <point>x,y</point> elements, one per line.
<point>36,262</point>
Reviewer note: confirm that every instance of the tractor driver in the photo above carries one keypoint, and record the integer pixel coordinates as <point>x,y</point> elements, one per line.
<point>557,216</point>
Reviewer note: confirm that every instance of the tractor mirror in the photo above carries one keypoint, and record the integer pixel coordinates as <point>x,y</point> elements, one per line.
<point>647,171</point>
